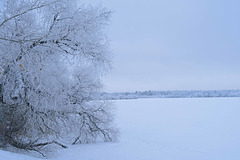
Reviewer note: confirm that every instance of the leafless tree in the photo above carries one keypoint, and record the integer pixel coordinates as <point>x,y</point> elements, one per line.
<point>53,54</point>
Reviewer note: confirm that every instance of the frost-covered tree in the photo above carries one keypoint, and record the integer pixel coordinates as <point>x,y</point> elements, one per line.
<point>52,56</point>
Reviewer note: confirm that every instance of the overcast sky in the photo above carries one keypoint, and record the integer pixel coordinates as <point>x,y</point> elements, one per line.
<point>174,44</point>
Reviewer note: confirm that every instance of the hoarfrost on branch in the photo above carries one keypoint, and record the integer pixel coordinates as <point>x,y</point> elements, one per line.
<point>52,56</point>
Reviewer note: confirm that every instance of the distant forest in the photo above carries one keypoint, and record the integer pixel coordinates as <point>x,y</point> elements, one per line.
<point>170,94</point>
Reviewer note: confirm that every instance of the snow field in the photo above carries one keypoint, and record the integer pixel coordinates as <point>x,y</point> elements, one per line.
<point>166,129</point>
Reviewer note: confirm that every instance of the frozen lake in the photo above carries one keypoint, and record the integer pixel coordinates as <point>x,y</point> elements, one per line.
<point>180,129</point>
<point>167,129</point>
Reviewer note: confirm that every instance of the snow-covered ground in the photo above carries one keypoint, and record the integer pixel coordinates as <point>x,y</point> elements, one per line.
<point>166,129</point>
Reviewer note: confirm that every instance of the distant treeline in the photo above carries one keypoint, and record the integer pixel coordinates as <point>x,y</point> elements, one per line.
<point>170,94</point>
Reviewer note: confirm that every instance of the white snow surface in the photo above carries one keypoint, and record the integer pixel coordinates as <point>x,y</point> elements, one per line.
<point>165,129</point>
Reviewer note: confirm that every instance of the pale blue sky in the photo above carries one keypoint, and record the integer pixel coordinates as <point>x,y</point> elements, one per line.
<point>174,44</point>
